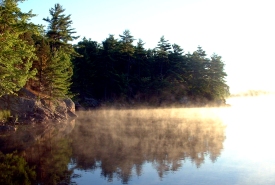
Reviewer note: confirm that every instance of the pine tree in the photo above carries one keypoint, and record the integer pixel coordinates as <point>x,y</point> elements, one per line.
<point>140,57</point>
<point>197,74</point>
<point>126,61</point>
<point>176,73</point>
<point>59,70</point>
<point>108,69</point>
<point>85,68</point>
<point>177,64</point>
<point>59,30</point>
<point>40,64</point>
<point>162,53</point>
<point>160,65</point>
<point>16,55</point>
<point>218,89</point>
<point>141,71</point>
<point>126,41</point>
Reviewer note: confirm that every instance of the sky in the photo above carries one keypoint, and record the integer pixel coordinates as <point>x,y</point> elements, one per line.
<point>242,32</point>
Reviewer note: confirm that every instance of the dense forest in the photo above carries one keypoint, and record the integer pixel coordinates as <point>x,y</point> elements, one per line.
<point>45,61</point>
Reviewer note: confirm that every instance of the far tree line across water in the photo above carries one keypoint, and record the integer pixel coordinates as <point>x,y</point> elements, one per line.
<point>116,69</point>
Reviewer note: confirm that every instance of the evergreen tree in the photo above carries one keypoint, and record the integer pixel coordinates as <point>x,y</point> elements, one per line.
<point>177,64</point>
<point>16,54</point>
<point>126,61</point>
<point>118,70</point>
<point>85,68</point>
<point>126,40</point>
<point>159,66</point>
<point>177,72</point>
<point>162,55</point>
<point>153,79</point>
<point>40,64</point>
<point>109,69</point>
<point>59,70</point>
<point>59,30</point>
<point>218,89</point>
<point>196,72</point>
<point>141,72</point>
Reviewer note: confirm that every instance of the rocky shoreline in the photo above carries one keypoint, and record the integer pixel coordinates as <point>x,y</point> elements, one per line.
<point>27,108</point>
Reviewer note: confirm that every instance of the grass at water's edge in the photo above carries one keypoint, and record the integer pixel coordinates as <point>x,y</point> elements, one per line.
<point>4,115</point>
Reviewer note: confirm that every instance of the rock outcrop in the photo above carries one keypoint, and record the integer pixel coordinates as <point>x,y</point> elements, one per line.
<point>29,109</point>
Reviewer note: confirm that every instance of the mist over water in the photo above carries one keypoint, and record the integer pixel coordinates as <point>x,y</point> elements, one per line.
<point>121,142</point>
<point>229,145</point>
<point>214,145</point>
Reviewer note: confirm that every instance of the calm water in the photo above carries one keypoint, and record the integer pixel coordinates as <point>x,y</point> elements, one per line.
<point>232,145</point>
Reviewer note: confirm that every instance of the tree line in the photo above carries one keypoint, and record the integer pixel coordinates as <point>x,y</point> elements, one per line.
<point>46,61</point>
<point>32,57</point>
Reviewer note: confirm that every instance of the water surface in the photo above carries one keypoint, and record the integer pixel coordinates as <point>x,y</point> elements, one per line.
<point>230,145</point>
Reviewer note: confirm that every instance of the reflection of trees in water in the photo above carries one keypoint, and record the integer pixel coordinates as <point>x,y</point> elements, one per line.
<point>15,170</point>
<point>51,155</point>
<point>48,149</point>
<point>120,142</point>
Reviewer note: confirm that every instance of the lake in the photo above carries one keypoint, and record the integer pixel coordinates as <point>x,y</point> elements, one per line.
<point>230,145</point>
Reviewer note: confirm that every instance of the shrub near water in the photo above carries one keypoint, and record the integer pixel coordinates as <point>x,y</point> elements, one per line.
<point>4,115</point>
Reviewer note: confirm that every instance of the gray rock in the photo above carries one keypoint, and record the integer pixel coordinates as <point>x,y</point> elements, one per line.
<point>30,109</point>
<point>70,105</point>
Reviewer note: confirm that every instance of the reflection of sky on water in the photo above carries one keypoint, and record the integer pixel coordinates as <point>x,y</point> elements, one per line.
<point>208,173</point>
<point>249,144</point>
<point>247,157</point>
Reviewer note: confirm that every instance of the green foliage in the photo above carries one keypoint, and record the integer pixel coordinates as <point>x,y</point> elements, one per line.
<point>58,69</point>
<point>16,55</point>
<point>58,72</point>
<point>40,64</point>
<point>15,170</point>
<point>85,74</point>
<point>119,70</point>
<point>4,115</point>
<point>140,69</point>
<point>216,78</point>
<point>126,43</point>
<point>162,56</point>
<point>114,69</point>
<point>59,30</point>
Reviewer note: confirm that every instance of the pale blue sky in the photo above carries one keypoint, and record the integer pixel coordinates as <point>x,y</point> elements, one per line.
<point>241,31</point>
